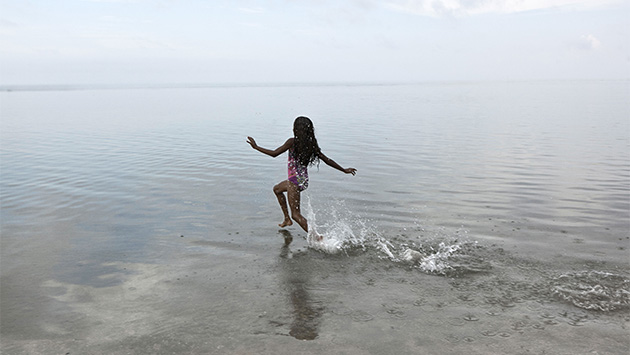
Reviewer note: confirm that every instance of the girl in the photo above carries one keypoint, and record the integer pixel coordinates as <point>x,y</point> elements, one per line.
<point>303,151</point>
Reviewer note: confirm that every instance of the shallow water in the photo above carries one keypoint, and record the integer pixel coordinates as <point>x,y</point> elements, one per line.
<point>485,217</point>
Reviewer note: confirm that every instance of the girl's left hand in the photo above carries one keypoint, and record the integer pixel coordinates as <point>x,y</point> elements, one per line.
<point>352,171</point>
<point>252,142</point>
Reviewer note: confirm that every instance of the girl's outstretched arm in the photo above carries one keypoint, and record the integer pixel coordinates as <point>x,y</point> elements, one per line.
<point>334,164</point>
<point>273,153</point>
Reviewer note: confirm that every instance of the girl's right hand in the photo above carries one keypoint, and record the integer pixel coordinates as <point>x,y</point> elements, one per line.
<point>352,171</point>
<point>252,142</point>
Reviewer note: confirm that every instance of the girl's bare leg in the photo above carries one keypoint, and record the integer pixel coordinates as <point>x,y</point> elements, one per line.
<point>293,194</point>
<point>279,191</point>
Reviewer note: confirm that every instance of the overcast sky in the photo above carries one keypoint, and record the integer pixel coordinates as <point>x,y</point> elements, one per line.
<point>241,41</point>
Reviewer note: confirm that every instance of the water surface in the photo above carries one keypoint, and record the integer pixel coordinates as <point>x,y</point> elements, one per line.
<point>485,217</point>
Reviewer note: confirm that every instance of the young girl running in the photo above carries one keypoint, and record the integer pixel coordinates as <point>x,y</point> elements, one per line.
<point>303,151</point>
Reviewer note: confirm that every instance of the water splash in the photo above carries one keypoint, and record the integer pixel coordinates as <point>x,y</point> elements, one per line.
<point>594,290</point>
<point>437,262</point>
<point>344,232</point>
<point>338,232</point>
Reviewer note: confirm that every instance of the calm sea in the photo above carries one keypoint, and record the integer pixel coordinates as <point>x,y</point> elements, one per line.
<point>92,179</point>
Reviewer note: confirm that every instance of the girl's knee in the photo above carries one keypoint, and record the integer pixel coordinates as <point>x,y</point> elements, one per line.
<point>279,188</point>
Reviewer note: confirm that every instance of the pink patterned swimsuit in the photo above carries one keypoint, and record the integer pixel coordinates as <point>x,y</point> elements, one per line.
<point>298,173</point>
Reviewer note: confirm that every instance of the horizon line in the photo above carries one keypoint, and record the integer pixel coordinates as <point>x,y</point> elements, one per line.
<point>118,86</point>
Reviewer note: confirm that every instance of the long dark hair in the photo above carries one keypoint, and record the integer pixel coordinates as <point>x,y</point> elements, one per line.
<point>305,147</point>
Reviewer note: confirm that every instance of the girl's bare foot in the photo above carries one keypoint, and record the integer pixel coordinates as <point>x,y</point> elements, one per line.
<point>285,223</point>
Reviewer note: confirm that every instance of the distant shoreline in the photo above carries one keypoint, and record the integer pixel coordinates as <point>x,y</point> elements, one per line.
<point>81,87</point>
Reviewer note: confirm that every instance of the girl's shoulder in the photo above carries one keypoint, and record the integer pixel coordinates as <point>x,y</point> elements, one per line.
<point>287,145</point>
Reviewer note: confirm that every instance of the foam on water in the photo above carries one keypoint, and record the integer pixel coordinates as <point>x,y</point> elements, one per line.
<point>449,254</point>
<point>444,253</point>
<point>594,290</point>
<point>343,232</point>
<point>436,262</point>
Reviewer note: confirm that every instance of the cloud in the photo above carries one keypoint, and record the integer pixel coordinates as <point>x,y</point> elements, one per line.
<point>588,42</point>
<point>8,27</point>
<point>462,8</point>
<point>252,10</point>
<point>127,42</point>
<point>7,23</point>
<point>115,1</point>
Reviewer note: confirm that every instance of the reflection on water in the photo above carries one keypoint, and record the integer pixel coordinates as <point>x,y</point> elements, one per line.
<point>296,276</point>
<point>288,238</point>
<point>306,323</point>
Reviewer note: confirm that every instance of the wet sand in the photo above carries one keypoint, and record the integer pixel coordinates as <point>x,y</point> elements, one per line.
<point>254,294</point>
